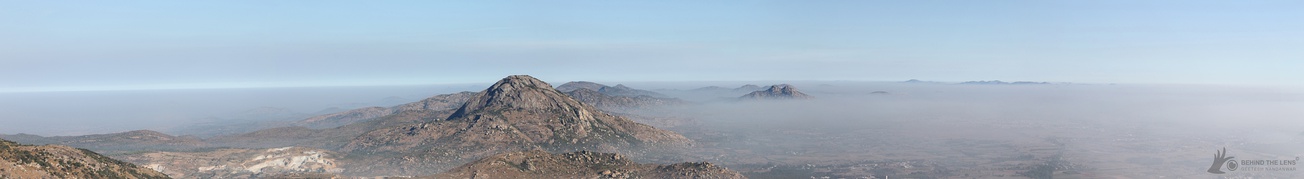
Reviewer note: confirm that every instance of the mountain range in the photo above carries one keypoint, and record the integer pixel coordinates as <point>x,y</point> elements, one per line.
<point>618,90</point>
<point>518,113</point>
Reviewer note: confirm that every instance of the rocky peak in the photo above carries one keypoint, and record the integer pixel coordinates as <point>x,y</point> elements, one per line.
<point>784,88</point>
<point>516,92</point>
<point>780,91</point>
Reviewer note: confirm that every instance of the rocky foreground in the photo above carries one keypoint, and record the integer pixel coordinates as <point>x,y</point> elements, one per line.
<point>56,161</point>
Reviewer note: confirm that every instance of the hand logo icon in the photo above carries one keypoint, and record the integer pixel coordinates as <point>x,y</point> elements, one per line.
<point>1219,158</point>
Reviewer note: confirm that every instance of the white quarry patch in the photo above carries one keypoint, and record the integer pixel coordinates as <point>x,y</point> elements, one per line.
<point>308,160</point>
<point>156,167</point>
<point>279,149</point>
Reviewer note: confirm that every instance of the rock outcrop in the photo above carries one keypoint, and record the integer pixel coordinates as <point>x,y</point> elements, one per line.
<point>780,91</point>
<point>57,161</point>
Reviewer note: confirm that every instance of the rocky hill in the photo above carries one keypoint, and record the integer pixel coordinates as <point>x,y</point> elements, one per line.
<point>780,91</point>
<point>583,164</point>
<point>56,161</point>
<point>517,113</point>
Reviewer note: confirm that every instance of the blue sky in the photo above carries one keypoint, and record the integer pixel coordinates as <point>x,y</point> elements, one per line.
<point>101,45</point>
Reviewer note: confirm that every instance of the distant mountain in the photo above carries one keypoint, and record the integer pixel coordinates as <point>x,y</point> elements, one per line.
<point>999,82</point>
<point>619,103</point>
<point>618,90</point>
<point>541,164</point>
<point>575,85</point>
<point>710,88</point>
<point>748,88</point>
<point>920,81</point>
<point>622,90</point>
<point>434,103</point>
<point>517,113</point>
<point>780,91</point>
<point>57,161</point>
<point>115,142</point>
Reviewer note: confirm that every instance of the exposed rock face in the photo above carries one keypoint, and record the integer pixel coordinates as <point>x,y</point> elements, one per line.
<point>240,163</point>
<point>541,164</point>
<point>55,161</point>
<point>619,103</point>
<point>618,90</point>
<point>780,91</point>
<point>517,113</point>
<point>112,142</point>
<point>434,103</point>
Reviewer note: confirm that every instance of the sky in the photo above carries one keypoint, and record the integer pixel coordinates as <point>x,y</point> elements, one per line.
<point>124,45</point>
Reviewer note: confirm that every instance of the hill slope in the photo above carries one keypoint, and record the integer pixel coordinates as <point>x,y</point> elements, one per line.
<point>433,103</point>
<point>56,161</point>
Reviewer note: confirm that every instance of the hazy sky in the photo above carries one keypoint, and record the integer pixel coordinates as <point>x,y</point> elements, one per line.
<point>97,45</point>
